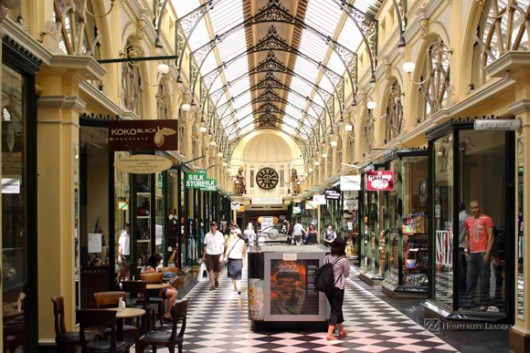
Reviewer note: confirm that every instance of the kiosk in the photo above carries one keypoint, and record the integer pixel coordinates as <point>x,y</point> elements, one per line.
<point>280,287</point>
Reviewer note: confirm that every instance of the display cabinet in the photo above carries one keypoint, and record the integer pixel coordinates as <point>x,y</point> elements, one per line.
<point>406,224</point>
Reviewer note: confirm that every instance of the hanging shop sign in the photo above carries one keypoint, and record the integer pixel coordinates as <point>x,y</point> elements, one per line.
<point>319,199</point>
<point>350,183</point>
<point>234,205</point>
<point>142,164</point>
<point>267,201</point>
<point>310,205</point>
<point>351,205</point>
<point>332,194</point>
<point>497,124</point>
<point>143,135</point>
<point>380,180</point>
<point>199,180</point>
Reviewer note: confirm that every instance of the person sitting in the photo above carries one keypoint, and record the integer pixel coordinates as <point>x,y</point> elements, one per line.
<point>169,293</point>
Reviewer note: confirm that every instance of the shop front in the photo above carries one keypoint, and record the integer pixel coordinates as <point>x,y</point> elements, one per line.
<point>371,242</point>
<point>472,176</point>
<point>406,224</point>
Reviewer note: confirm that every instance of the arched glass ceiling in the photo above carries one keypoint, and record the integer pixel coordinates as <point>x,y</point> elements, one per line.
<point>326,25</point>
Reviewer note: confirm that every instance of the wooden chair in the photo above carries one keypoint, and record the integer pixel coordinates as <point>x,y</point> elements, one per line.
<point>64,338</point>
<point>140,299</point>
<point>90,319</point>
<point>156,278</point>
<point>111,299</point>
<point>164,338</point>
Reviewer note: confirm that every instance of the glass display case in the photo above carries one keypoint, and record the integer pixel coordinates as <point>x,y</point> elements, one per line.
<point>406,224</point>
<point>471,168</point>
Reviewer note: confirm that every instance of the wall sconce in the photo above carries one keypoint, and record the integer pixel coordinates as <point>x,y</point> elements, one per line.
<point>324,155</point>
<point>371,105</point>
<point>220,154</point>
<point>185,106</point>
<point>213,143</point>
<point>348,127</point>
<point>333,143</point>
<point>438,52</point>
<point>225,164</point>
<point>317,163</point>
<point>311,170</point>
<point>203,129</point>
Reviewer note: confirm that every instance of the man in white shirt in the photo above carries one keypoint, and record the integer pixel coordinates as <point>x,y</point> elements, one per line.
<point>214,247</point>
<point>298,231</point>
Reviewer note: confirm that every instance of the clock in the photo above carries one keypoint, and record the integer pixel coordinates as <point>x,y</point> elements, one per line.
<point>267,178</point>
<point>424,191</point>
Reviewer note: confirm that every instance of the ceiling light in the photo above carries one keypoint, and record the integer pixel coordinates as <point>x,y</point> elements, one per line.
<point>348,127</point>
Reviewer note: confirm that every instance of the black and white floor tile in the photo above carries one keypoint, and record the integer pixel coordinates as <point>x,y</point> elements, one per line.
<point>218,322</point>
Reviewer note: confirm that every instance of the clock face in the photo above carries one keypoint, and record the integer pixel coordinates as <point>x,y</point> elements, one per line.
<point>267,178</point>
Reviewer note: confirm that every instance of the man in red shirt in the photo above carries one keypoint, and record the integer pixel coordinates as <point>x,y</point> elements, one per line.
<point>479,242</point>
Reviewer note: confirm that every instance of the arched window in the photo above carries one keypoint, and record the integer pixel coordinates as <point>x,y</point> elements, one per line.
<point>502,27</point>
<point>394,112</point>
<point>79,34</point>
<point>434,81</point>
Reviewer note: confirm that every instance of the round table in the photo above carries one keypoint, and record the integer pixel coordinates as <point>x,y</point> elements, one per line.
<point>157,286</point>
<point>125,313</point>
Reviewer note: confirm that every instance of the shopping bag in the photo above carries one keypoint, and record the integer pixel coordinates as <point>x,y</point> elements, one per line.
<point>203,273</point>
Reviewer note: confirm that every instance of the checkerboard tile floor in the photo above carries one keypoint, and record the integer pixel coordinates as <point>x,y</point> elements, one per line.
<point>218,322</point>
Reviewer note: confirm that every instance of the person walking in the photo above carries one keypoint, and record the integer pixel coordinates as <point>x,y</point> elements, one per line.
<point>250,234</point>
<point>214,245</point>
<point>298,232</point>
<point>341,271</point>
<point>235,253</point>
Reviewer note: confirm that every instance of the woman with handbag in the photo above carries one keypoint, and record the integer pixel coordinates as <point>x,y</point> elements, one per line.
<point>235,252</point>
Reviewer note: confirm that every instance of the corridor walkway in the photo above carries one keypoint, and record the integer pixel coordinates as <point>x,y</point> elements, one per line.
<point>217,323</point>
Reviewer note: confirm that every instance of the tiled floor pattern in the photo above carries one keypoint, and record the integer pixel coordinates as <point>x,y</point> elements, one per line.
<point>217,322</point>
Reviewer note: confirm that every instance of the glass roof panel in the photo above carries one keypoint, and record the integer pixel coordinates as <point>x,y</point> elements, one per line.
<point>183,8</point>
<point>290,121</point>
<point>350,36</point>
<point>288,129</point>
<point>322,16</point>
<point>199,36</point>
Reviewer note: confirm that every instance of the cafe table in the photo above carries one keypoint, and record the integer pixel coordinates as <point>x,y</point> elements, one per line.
<point>121,315</point>
<point>151,286</point>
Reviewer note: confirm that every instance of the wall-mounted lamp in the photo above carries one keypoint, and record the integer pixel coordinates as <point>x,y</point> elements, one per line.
<point>220,154</point>
<point>333,143</point>
<point>225,164</point>
<point>324,155</point>
<point>213,143</point>
<point>371,105</point>
<point>348,127</point>
<point>317,163</point>
<point>186,106</point>
<point>203,129</point>
<point>311,170</point>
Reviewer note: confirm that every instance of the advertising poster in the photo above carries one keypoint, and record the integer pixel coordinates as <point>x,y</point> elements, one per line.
<point>255,299</point>
<point>291,288</point>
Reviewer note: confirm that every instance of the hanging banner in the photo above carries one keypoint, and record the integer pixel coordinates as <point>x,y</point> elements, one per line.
<point>143,164</point>
<point>143,135</point>
<point>380,180</point>
<point>350,183</point>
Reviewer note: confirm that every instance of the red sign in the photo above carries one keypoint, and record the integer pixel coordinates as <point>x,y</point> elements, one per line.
<point>380,180</point>
<point>143,135</point>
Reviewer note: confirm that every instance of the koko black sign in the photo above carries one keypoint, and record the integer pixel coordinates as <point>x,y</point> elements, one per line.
<point>143,135</point>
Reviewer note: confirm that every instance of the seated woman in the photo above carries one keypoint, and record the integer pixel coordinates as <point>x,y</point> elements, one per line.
<point>169,293</point>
